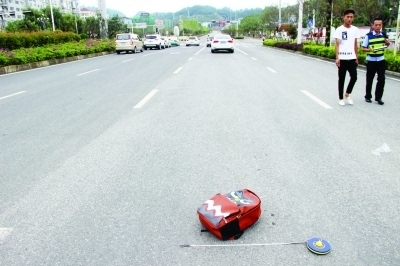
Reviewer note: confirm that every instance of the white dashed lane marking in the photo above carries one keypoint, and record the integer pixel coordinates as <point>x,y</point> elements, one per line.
<point>145,99</point>
<point>326,106</point>
<point>4,233</point>
<point>11,95</point>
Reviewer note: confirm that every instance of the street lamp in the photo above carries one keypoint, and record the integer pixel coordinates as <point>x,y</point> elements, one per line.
<point>43,21</point>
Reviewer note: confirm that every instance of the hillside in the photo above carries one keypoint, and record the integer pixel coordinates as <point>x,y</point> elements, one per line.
<point>110,12</point>
<point>208,13</point>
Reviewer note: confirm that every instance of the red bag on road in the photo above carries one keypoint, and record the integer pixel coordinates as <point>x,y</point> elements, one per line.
<point>227,216</point>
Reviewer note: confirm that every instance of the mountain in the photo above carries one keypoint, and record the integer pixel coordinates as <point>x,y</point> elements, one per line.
<point>110,12</point>
<point>208,13</point>
<point>197,12</point>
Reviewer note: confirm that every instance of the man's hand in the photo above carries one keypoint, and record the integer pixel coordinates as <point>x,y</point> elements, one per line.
<point>387,42</point>
<point>357,61</point>
<point>338,62</point>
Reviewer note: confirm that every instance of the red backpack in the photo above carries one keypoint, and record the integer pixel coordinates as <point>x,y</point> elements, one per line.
<point>227,216</point>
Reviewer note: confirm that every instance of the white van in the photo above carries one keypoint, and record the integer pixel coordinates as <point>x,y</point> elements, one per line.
<point>128,42</point>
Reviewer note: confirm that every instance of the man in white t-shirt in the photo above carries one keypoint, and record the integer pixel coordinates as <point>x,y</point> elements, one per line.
<point>346,50</point>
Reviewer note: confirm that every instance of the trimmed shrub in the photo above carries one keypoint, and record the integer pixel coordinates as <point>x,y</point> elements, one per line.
<point>13,41</point>
<point>57,51</point>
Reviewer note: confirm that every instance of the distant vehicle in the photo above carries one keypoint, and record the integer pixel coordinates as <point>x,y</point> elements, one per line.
<point>128,42</point>
<point>209,41</point>
<point>174,41</point>
<point>222,42</point>
<point>166,41</point>
<point>192,40</point>
<point>154,41</point>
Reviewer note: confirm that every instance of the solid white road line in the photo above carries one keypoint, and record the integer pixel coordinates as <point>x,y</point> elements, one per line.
<point>326,106</point>
<point>87,72</point>
<point>145,99</point>
<point>241,51</point>
<point>177,71</point>
<point>200,51</point>
<point>11,95</point>
<point>190,58</point>
<point>254,59</point>
<point>270,69</point>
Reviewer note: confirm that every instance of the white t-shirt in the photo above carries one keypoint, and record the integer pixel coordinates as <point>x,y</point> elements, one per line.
<point>347,38</point>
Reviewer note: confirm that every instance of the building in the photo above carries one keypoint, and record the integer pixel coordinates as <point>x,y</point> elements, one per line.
<point>86,13</point>
<point>13,9</point>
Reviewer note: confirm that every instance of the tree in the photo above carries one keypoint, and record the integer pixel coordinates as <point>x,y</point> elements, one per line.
<point>251,23</point>
<point>292,31</point>
<point>115,26</point>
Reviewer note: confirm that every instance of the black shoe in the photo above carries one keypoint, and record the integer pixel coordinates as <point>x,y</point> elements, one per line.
<point>368,100</point>
<point>380,102</point>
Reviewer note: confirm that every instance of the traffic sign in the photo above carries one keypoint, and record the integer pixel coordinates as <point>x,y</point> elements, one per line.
<point>141,25</point>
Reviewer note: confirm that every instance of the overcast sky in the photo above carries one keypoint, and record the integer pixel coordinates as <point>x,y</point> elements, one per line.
<point>130,8</point>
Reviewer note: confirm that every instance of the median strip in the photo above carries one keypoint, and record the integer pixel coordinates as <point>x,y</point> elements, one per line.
<point>145,99</point>
<point>326,106</point>
<point>11,95</point>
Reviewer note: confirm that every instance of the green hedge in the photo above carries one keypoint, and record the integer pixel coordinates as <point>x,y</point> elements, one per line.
<point>48,52</point>
<point>238,37</point>
<point>329,52</point>
<point>13,41</point>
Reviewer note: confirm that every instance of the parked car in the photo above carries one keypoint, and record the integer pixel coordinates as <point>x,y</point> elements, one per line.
<point>174,41</point>
<point>128,42</point>
<point>222,42</point>
<point>192,40</point>
<point>153,41</point>
<point>166,41</point>
<point>209,41</point>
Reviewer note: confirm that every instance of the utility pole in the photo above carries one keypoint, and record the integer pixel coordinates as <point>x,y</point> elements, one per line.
<point>280,14</point>
<point>300,22</point>
<point>51,13</point>
<point>396,40</point>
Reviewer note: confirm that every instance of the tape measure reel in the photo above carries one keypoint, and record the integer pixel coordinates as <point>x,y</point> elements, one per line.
<point>318,246</point>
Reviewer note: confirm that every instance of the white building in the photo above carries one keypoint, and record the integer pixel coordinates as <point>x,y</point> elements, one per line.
<point>86,13</point>
<point>12,9</point>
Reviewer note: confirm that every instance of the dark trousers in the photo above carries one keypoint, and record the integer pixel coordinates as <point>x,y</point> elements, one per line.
<point>373,68</point>
<point>351,66</point>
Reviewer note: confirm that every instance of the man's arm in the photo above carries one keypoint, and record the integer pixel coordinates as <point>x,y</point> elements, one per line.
<point>365,47</point>
<point>356,45</point>
<point>337,42</point>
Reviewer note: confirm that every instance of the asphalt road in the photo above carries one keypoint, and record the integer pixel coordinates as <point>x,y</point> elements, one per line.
<point>105,161</point>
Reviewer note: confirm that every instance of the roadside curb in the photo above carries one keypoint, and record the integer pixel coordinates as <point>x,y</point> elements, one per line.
<point>17,68</point>
<point>397,74</point>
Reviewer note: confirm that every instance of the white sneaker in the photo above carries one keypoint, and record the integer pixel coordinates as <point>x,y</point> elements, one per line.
<point>341,102</point>
<point>349,100</point>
